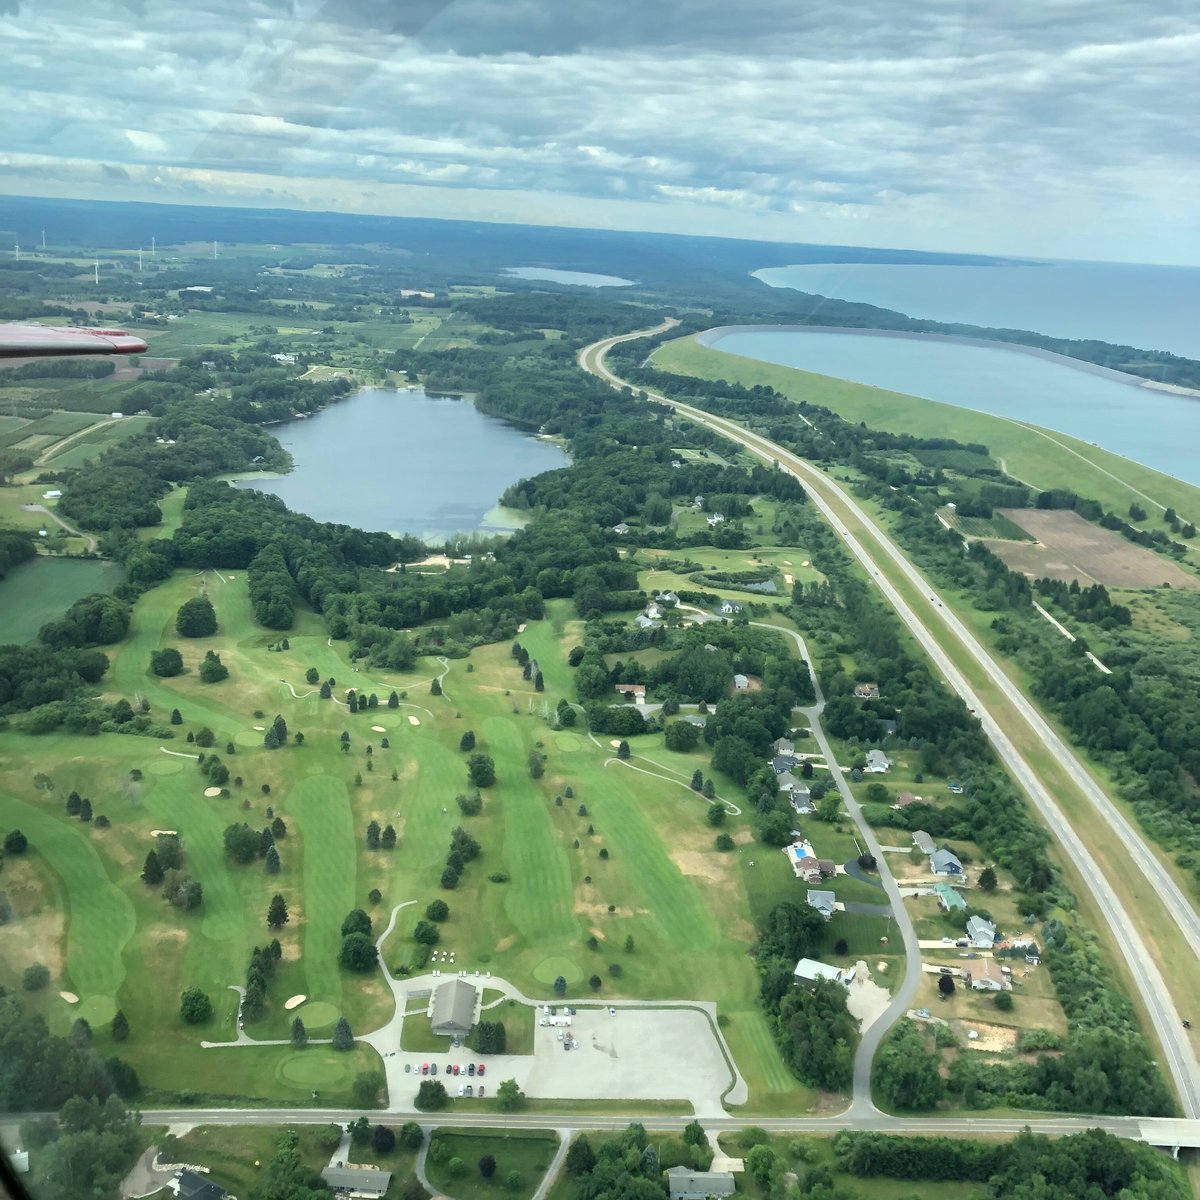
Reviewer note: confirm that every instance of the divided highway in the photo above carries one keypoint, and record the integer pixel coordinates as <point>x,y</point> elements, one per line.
<point>840,509</point>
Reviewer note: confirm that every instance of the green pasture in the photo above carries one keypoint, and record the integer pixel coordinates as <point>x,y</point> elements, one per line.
<point>1039,457</point>
<point>92,444</point>
<point>43,589</point>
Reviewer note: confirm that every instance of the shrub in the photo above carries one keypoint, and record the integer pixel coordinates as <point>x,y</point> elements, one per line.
<point>195,1007</point>
<point>35,977</point>
<point>431,1096</point>
<point>166,662</point>
<point>1003,1001</point>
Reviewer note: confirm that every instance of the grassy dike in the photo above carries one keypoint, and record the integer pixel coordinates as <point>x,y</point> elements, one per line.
<point>1040,457</point>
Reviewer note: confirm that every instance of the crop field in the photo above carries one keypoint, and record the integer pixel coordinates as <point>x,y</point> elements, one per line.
<point>94,442</point>
<point>1068,547</point>
<point>42,590</point>
<point>996,526</point>
<point>686,906</point>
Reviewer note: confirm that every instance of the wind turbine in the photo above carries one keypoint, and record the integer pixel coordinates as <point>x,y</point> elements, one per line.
<point>96,269</point>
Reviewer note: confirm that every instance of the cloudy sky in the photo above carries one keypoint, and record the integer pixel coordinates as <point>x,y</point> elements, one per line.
<point>1065,128</point>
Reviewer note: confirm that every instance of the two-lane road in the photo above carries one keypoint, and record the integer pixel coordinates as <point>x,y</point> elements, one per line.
<point>842,511</point>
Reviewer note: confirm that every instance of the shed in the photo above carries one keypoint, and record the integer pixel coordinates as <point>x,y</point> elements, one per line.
<point>809,970</point>
<point>686,1184</point>
<point>453,1009</point>
<point>740,683</point>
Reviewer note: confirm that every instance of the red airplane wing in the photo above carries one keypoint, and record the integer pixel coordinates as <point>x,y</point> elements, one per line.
<point>45,341</point>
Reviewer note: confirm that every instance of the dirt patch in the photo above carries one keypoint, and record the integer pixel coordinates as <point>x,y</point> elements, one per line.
<point>694,862</point>
<point>1068,547</point>
<point>995,1039</point>
<point>743,837</point>
<point>506,943</point>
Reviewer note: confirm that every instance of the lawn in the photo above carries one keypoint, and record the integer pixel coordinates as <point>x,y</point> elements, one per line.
<point>527,1152</point>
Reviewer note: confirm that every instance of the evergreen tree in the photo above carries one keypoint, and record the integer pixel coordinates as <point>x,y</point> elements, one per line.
<point>697,780</point>
<point>435,688</point>
<point>85,809</point>
<point>299,1034</point>
<point>176,717</point>
<point>120,1027</point>
<point>373,835</point>
<point>152,872</point>
<point>393,701</point>
<point>271,739</point>
<point>271,862</point>
<point>326,691</point>
<point>343,1038</point>
<point>388,838</point>
<point>277,912</point>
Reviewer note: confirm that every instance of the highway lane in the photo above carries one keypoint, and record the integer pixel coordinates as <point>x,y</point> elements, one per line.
<point>1167,1022</point>
<point>1173,1132</point>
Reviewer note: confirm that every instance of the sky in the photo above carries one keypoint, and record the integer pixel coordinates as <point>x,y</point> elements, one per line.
<point>1055,128</point>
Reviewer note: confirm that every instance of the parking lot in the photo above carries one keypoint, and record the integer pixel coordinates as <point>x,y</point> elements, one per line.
<point>638,1054</point>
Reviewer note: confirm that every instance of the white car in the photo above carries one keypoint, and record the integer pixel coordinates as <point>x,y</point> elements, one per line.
<point>612,1012</point>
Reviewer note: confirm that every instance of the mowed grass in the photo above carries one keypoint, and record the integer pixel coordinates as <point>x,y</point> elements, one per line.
<point>528,1152</point>
<point>42,590</point>
<point>1040,457</point>
<point>686,906</point>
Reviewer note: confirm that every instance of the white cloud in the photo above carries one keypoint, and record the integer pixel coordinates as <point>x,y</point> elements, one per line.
<point>936,123</point>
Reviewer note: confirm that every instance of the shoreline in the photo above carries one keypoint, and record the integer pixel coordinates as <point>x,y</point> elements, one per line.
<point>711,338</point>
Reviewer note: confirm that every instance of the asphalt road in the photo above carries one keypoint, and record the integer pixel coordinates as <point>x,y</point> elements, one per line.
<point>1177,1051</point>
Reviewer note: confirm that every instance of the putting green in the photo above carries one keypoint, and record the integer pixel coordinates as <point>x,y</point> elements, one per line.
<point>163,766</point>
<point>567,741</point>
<point>247,737</point>
<point>96,1010</point>
<point>317,1014</point>
<point>307,1068</point>
<point>549,969</point>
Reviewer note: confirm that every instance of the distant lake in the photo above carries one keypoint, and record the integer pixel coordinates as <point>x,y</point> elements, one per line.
<point>1150,427</point>
<point>406,462</point>
<point>1153,308</point>
<point>582,278</point>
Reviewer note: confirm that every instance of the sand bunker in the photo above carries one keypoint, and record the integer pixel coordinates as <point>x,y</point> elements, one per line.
<point>260,729</point>
<point>378,729</point>
<point>521,627</point>
<point>211,792</point>
<point>806,563</point>
<point>414,720</point>
<point>69,997</point>
<point>163,832</point>
<point>787,578</point>
<point>294,1002</point>
<point>615,743</point>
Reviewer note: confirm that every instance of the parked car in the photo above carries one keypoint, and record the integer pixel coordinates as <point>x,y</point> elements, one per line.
<point>456,1068</point>
<point>481,1091</point>
<point>612,1012</point>
<point>424,1068</point>
<point>479,1069</point>
<point>407,1068</point>
<point>470,1068</point>
<point>470,1089</point>
<point>433,1068</point>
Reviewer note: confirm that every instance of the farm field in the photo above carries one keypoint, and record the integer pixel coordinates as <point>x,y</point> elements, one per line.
<point>43,589</point>
<point>1068,547</point>
<point>686,905</point>
<point>1038,457</point>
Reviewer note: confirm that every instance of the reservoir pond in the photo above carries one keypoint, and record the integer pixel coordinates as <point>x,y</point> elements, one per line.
<point>1155,428</point>
<point>406,462</point>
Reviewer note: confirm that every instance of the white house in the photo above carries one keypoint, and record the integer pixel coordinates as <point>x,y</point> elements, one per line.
<point>667,598</point>
<point>823,902</point>
<point>986,976</point>
<point>783,746</point>
<point>740,683</point>
<point>729,608</point>
<point>715,519</point>
<point>982,933</point>
<point>878,762</point>
<point>620,527</point>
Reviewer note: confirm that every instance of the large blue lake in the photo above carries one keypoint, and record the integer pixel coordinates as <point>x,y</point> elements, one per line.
<point>1151,427</point>
<point>1153,308</point>
<point>406,462</point>
<point>579,278</point>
